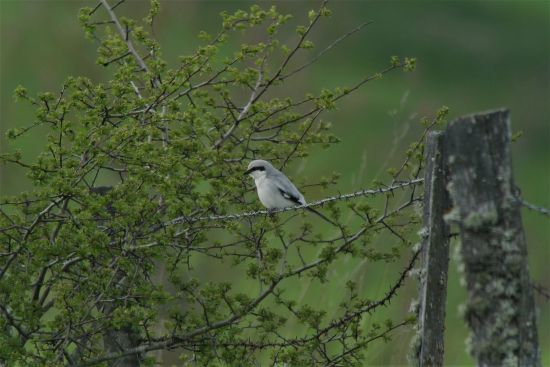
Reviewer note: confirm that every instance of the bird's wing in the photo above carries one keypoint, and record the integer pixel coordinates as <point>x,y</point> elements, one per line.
<point>287,189</point>
<point>290,197</point>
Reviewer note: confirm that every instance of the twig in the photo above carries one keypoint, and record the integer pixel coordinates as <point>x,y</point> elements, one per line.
<point>243,112</point>
<point>189,335</point>
<point>125,36</point>
<point>293,51</point>
<point>327,49</point>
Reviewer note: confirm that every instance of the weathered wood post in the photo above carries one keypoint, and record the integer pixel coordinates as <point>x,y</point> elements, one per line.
<point>500,307</point>
<point>435,256</point>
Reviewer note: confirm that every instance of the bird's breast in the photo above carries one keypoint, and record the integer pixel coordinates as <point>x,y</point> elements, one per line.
<point>269,194</point>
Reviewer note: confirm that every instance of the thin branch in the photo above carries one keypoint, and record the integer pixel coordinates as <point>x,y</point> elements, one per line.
<point>173,341</point>
<point>124,34</point>
<point>327,49</point>
<point>243,112</point>
<point>336,362</point>
<point>293,51</point>
<point>11,321</point>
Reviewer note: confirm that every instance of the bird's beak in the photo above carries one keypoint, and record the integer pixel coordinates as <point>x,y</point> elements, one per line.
<point>247,172</point>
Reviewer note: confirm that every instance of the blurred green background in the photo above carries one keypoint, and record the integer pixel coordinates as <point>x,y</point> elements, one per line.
<point>472,56</point>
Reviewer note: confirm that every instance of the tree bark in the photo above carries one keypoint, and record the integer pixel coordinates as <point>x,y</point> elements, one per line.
<point>500,306</point>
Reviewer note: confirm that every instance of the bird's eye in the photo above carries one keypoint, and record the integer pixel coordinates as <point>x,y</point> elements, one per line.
<point>258,168</point>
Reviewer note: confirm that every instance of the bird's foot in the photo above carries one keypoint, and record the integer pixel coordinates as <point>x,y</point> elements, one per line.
<point>271,213</point>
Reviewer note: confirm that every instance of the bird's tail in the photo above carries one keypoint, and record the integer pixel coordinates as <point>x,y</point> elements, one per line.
<point>322,216</point>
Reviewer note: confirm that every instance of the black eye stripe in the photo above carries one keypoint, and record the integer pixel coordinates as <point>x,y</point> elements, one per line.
<point>259,168</point>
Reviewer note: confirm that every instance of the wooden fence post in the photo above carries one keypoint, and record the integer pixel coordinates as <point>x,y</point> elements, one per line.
<point>435,256</point>
<point>500,306</point>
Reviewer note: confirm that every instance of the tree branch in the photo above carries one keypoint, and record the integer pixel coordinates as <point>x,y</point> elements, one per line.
<point>327,49</point>
<point>126,37</point>
<point>243,112</point>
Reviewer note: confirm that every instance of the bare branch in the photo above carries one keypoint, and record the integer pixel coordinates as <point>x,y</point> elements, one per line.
<point>126,37</point>
<point>327,49</point>
<point>243,112</point>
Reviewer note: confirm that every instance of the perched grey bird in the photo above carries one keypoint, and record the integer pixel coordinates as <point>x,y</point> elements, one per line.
<point>275,189</point>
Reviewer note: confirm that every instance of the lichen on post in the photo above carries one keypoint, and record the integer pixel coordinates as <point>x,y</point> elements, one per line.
<point>500,309</point>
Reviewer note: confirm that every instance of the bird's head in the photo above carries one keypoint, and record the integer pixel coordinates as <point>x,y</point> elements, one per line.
<point>258,168</point>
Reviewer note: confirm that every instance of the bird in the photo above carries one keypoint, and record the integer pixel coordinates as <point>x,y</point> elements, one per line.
<point>275,190</point>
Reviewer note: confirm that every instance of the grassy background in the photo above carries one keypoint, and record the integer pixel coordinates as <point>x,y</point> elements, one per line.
<point>472,56</point>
